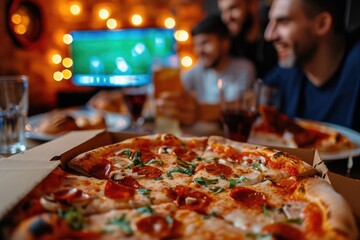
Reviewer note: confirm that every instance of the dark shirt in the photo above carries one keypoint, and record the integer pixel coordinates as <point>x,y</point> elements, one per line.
<point>337,101</point>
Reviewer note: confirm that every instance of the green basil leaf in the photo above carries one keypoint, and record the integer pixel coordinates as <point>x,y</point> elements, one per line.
<point>122,223</point>
<point>127,153</point>
<point>204,181</point>
<point>144,191</point>
<point>146,210</point>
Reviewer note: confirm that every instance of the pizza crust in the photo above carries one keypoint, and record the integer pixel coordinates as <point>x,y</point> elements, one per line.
<point>336,211</point>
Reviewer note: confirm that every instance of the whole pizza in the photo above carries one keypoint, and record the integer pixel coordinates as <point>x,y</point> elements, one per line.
<point>166,187</point>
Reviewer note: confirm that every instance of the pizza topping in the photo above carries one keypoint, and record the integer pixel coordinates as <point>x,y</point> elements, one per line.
<point>144,191</point>
<point>69,195</point>
<point>248,197</point>
<point>313,219</point>
<point>187,198</point>
<point>128,181</point>
<point>288,184</point>
<point>122,223</point>
<point>184,153</point>
<point>156,226</point>
<point>146,210</point>
<point>147,171</point>
<point>283,231</point>
<point>116,190</point>
<point>101,170</point>
<point>72,217</point>
<point>218,169</point>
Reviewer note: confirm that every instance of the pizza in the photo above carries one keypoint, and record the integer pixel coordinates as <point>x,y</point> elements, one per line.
<point>277,129</point>
<point>166,187</point>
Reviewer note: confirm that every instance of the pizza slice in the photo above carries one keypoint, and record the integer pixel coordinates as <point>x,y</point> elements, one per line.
<point>269,163</point>
<point>277,129</point>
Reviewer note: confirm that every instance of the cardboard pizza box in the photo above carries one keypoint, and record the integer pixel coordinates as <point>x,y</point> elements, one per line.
<point>20,173</point>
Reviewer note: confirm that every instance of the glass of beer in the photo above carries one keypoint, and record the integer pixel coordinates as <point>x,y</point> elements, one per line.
<point>239,109</point>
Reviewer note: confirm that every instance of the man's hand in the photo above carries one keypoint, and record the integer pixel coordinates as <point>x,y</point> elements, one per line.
<point>182,106</point>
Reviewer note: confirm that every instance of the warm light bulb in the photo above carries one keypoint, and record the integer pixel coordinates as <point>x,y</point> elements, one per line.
<point>58,76</point>
<point>56,58</point>
<point>181,35</point>
<point>67,38</point>
<point>67,62</point>
<point>16,18</point>
<point>20,29</point>
<point>104,13</point>
<point>66,73</point>
<point>111,23</point>
<point>169,22</point>
<point>186,61</point>
<point>136,19</point>
<point>75,9</point>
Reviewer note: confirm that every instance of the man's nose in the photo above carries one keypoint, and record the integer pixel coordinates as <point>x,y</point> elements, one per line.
<point>270,32</point>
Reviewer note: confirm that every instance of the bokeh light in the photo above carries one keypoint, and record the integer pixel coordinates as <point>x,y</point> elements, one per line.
<point>66,74</point>
<point>104,13</point>
<point>56,58</point>
<point>169,22</point>
<point>75,9</point>
<point>67,62</point>
<point>181,35</point>
<point>58,76</point>
<point>186,61</point>
<point>136,19</point>
<point>67,38</point>
<point>111,23</point>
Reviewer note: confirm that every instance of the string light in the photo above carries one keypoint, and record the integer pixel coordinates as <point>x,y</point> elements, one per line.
<point>67,62</point>
<point>20,29</point>
<point>181,35</point>
<point>111,23</point>
<point>58,76</point>
<point>16,18</point>
<point>186,61</point>
<point>66,74</point>
<point>67,38</point>
<point>56,58</point>
<point>169,22</point>
<point>136,19</point>
<point>104,13</point>
<point>75,9</point>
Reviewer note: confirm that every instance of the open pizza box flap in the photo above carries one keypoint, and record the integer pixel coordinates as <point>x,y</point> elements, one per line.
<point>20,173</point>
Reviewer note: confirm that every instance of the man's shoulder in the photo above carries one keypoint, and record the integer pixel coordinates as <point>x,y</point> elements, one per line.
<point>279,74</point>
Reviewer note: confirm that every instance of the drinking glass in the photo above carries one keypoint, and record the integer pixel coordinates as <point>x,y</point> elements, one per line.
<point>13,113</point>
<point>135,98</point>
<point>239,110</point>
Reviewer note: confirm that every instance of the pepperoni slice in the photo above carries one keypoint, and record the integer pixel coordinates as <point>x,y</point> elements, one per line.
<point>130,182</point>
<point>187,198</point>
<point>289,185</point>
<point>145,155</point>
<point>69,195</point>
<point>101,170</point>
<point>116,190</point>
<point>313,219</point>
<point>170,140</point>
<point>157,226</point>
<point>185,154</point>
<point>248,197</point>
<point>147,171</point>
<point>283,231</point>
<point>217,169</point>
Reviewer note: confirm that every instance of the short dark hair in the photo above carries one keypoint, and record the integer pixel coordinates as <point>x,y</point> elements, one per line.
<point>211,24</point>
<point>336,8</point>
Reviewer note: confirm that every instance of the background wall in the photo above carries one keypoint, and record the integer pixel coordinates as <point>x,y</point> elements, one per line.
<point>43,59</point>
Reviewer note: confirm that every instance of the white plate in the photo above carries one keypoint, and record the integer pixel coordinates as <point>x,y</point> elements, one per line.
<point>352,135</point>
<point>115,122</point>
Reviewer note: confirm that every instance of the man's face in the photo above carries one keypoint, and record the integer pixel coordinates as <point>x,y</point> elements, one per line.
<point>233,14</point>
<point>209,49</point>
<point>291,32</point>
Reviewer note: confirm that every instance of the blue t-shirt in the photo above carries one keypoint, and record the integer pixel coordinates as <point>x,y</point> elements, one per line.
<point>337,101</point>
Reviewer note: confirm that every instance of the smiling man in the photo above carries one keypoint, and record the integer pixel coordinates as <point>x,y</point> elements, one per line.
<point>201,98</point>
<point>319,68</point>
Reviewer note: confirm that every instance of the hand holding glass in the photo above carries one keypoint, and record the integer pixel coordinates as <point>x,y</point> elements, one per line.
<point>239,112</point>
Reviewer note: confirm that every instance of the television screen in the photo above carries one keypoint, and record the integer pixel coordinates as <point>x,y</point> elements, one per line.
<point>119,57</point>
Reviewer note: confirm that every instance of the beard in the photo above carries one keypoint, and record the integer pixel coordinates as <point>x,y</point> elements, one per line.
<point>299,56</point>
<point>212,63</point>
